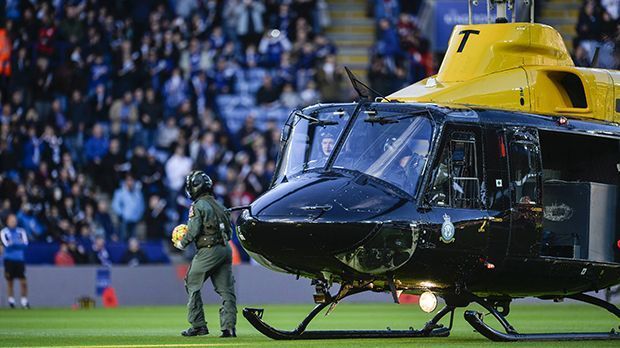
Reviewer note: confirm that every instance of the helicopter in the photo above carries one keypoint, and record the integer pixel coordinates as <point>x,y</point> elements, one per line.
<point>495,179</point>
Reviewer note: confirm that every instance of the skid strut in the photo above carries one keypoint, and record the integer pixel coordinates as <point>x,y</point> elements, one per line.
<point>475,319</point>
<point>430,329</point>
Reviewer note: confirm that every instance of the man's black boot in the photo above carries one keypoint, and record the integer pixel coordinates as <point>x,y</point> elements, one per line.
<point>195,331</point>
<point>228,333</point>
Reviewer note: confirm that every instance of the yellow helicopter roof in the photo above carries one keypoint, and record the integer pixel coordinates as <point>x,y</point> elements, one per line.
<point>520,67</point>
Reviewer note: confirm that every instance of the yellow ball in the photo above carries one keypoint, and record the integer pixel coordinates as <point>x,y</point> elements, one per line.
<point>179,232</point>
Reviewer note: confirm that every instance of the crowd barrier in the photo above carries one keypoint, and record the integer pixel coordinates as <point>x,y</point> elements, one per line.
<point>161,285</point>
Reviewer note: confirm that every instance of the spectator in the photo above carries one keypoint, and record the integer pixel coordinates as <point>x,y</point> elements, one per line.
<point>289,98</point>
<point>125,112</point>
<point>168,132</point>
<point>134,256</point>
<point>388,44</point>
<point>100,103</point>
<point>268,92</point>
<point>78,253</point>
<point>309,95</point>
<point>155,218</point>
<point>96,146</point>
<point>99,254</point>
<point>590,23</point>
<point>63,256</point>
<point>128,205</point>
<point>150,115</point>
<point>175,91</point>
<point>329,78</point>
<point>177,168</point>
<point>249,18</point>
<point>103,219</point>
<point>272,46</point>
<point>388,9</point>
<point>580,56</point>
<point>113,165</point>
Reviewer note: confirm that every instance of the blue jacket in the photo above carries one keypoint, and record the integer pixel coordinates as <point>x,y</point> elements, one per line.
<point>96,148</point>
<point>15,242</point>
<point>128,205</point>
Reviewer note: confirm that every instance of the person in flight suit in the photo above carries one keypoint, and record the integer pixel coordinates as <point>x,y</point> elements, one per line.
<point>209,227</point>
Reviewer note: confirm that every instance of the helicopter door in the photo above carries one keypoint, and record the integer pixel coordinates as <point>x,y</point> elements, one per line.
<point>456,193</point>
<point>498,194</point>
<point>525,173</point>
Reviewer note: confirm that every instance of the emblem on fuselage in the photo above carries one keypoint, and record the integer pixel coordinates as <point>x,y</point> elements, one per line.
<point>447,230</point>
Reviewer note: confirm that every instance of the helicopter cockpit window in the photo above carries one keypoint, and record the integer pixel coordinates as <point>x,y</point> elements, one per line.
<point>310,139</point>
<point>457,181</point>
<point>389,145</point>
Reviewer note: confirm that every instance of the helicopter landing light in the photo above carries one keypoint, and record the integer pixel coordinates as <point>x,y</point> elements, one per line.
<point>428,302</point>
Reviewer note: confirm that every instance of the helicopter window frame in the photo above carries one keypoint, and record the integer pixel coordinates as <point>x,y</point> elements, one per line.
<point>461,188</point>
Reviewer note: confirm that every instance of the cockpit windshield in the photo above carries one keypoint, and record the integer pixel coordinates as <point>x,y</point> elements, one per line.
<point>310,139</point>
<point>389,145</point>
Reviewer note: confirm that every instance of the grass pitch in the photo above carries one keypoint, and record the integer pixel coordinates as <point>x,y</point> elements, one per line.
<point>145,327</point>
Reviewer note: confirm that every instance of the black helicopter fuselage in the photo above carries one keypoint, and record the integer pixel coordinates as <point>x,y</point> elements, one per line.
<point>473,221</point>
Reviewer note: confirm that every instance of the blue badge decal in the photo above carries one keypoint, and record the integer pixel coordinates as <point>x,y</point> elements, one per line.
<point>447,230</point>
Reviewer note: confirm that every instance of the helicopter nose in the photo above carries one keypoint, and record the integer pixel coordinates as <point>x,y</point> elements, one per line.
<point>272,237</point>
<point>313,218</point>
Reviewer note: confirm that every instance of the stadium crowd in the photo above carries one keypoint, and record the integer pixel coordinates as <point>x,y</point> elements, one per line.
<point>598,26</point>
<point>107,106</point>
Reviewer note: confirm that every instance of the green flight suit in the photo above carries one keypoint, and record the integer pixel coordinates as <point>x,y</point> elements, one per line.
<point>209,227</point>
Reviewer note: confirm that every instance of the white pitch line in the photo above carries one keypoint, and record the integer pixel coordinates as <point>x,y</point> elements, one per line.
<point>152,345</point>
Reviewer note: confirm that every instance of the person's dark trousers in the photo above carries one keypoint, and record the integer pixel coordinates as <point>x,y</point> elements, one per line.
<point>127,230</point>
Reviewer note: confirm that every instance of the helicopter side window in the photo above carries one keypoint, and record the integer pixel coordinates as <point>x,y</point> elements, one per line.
<point>457,180</point>
<point>524,172</point>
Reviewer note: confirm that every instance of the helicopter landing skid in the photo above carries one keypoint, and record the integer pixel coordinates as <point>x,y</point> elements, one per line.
<point>475,319</point>
<point>430,329</point>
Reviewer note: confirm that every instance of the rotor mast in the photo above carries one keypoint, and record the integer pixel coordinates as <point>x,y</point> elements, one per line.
<point>501,10</point>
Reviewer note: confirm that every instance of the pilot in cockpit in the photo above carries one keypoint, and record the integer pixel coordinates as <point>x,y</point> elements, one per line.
<point>410,161</point>
<point>326,146</point>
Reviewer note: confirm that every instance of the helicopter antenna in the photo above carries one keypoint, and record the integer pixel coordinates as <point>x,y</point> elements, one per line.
<point>362,89</point>
<point>594,61</point>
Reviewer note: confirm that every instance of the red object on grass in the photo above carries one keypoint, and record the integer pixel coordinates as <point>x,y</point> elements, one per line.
<point>109,298</point>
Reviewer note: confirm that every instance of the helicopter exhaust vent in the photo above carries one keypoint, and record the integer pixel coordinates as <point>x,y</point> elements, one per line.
<point>565,89</point>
